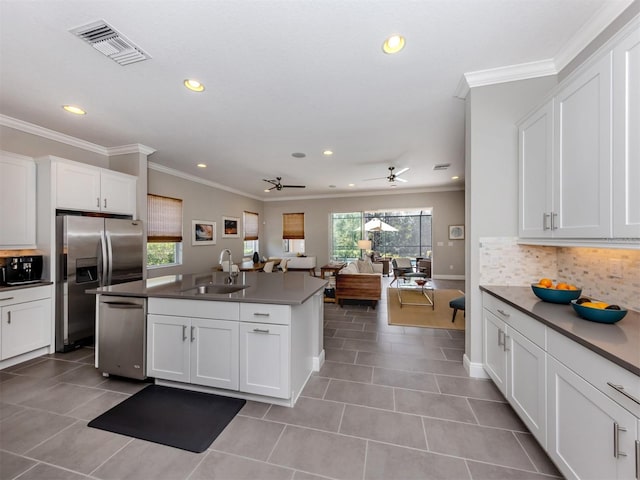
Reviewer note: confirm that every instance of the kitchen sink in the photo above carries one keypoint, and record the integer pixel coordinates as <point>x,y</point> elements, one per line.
<point>214,288</point>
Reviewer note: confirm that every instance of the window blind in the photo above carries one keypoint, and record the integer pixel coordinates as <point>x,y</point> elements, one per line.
<point>293,226</point>
<point>164,217</point>
<point>250,221</point>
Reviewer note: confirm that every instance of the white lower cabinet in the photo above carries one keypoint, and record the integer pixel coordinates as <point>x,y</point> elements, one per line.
<point>590,435</point>
<point>516,365</point>
<point>26,321</point>
<point>264,359</point>
<point>193,350</point>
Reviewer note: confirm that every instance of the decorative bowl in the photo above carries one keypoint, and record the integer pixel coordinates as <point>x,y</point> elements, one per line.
<point>552,295</point>
<point>421,281</point>
<point>599,315</point>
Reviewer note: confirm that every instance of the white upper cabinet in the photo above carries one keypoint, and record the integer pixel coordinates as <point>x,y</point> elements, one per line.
<point>582,155</point>
<point>579,153</point>
<point>536,156</point>
<point>17,201</point>
<point>93,189</point>
<point>626,137</point>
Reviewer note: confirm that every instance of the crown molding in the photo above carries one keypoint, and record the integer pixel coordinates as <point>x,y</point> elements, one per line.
<point>511,73</point>
<point>52,135</point>
<point>376,193</point>
<point>552,66</point>
<point>588,32</point>
<point>133,148</point>
<point>186,176</point>
<point>73,141</point>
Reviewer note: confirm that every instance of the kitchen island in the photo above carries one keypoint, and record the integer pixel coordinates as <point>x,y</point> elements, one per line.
<point>260,342</point>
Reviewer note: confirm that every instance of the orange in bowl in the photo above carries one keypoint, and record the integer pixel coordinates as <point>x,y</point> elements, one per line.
<point>545,282</point>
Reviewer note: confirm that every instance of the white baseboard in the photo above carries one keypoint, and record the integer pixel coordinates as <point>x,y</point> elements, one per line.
<point>474,369</point>
<point>318,361</point>
<point>448,277</point>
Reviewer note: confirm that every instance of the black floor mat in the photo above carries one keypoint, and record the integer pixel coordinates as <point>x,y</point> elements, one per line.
<point>171,416</point>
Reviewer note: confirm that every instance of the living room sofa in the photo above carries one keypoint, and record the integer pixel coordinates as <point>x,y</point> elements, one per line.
<point>359,280</point>
<point>306,264</point>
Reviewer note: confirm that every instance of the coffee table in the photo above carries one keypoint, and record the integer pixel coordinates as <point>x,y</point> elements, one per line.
<point>331,268</point>
<point>409,284</point>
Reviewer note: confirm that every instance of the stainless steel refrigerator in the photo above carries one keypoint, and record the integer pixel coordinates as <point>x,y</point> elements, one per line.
<point>91,252</point>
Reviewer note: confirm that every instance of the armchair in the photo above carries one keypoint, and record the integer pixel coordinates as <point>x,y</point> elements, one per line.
<point>401,267</point>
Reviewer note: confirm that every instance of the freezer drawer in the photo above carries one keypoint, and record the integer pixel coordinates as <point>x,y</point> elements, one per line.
<point>122,336</point>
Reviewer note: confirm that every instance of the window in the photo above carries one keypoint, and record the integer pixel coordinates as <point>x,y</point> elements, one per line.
<point>164,231</point>
<point>293,232</point>
<point>400,233</point>
<point>346,230</point>
<point>251,226</point>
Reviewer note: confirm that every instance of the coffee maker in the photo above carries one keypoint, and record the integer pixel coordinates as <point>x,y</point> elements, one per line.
<point>22,270</point>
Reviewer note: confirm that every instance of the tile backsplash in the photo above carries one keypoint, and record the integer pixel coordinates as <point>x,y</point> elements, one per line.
<point>595,270</point>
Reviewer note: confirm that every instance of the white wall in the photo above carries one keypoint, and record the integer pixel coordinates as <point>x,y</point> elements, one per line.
<point>448,209</point>
<point>492,179</point>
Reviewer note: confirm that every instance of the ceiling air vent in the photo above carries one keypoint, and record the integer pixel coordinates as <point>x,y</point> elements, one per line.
<point>110,43</point>
<point>442,166</point>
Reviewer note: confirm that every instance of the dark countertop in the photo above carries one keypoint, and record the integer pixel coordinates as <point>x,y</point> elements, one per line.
<point>7,288</point>
<point>290,288</point>
<point>618,342</point>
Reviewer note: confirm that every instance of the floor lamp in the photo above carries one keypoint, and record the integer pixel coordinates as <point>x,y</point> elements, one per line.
<point>364,245</point>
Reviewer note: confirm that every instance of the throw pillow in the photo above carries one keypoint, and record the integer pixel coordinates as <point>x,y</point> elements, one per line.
<point>350,268</point>
<point>365,266</point>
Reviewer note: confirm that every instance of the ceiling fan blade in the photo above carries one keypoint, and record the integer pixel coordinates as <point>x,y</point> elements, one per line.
<point>401,171</point>
<point>377,178</point>
<point>400,180</point>
<point>294,186</point>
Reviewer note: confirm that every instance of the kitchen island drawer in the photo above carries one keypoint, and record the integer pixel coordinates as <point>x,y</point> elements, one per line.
<point>194,308</point>
<point>265,313</point>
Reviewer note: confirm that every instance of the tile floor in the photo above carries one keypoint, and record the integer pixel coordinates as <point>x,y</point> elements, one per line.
<point>389,403</point>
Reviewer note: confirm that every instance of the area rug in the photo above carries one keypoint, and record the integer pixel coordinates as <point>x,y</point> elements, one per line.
<point>424,316</point>
<point>171,416</point>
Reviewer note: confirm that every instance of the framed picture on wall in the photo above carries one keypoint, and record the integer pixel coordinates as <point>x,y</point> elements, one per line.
<point>203,232</point>
<point>230,227</point>
<point>456,232</point>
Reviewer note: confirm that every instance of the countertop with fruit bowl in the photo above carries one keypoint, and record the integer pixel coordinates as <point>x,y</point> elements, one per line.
<point>618,342</point>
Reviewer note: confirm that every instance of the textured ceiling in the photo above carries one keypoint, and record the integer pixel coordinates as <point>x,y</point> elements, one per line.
<point>281,77</point>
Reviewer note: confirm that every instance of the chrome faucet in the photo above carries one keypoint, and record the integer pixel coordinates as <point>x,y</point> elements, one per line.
<point>222,253</point>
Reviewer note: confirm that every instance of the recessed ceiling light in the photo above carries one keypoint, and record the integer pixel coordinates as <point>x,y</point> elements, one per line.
<point>267,190</point>
<point>455,177</point>
<point>332,186</point>
<point>74,109</point>
<point>352,184</point>
<point>202,165</point>
<point>193,85</point>
<point>298,155</point>
<point>393,44</point>
<point>327,153</point>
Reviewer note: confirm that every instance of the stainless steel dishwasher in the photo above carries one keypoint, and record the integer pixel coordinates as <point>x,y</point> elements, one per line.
<point>122,336</point>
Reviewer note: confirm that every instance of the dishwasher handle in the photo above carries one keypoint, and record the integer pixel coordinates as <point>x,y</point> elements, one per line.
<point>123,305</point>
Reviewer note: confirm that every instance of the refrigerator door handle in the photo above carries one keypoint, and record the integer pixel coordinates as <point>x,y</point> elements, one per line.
<point>109,257</point>
<point>104,275</point>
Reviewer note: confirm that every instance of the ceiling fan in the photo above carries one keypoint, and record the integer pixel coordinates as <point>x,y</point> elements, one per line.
<point>279,186</point>
<point>393,176</point>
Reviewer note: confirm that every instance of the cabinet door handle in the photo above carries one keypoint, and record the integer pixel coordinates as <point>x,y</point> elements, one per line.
<point>6,298</point>
<point>554,218</point>
<point>503,313</point>
<point>105,203</point>
<point>193,333</point>
<point>98,202</point>
<point>184,332</point>
<point>259,314</point>
<point>9,316</point>
<point>260,330</point>
<point>621,389</point>
<point>506,339</point>
<point>500,338</point>
<point>638,459</point>
<point>545,224</point>
<point>616,440</point>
